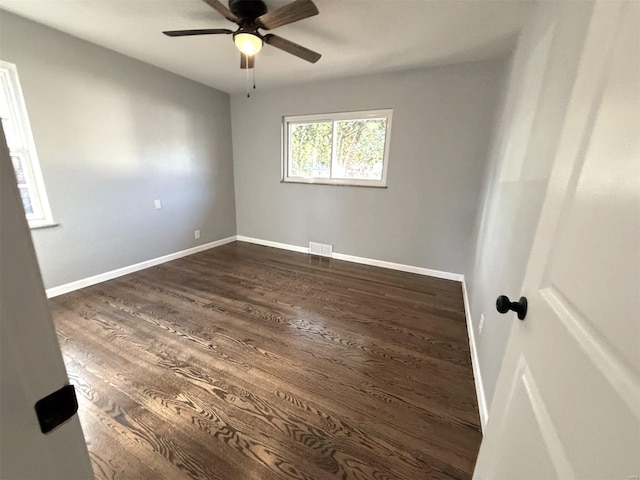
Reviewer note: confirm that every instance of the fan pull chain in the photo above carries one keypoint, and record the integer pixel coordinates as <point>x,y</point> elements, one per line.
<point>247,77</point>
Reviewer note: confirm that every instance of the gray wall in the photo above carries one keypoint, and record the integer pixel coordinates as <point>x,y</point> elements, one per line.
<point>521,156</point>
<point>113,134</point>
<point>442,119</point>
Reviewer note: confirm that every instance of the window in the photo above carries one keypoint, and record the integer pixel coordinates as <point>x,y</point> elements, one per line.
<point>338,148</point>
<point>22,150</point>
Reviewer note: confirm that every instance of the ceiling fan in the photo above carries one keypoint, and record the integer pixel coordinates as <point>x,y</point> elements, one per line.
<point>252,15</point>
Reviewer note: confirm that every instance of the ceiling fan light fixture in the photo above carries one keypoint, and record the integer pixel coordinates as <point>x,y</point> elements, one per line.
<point>248,43</point>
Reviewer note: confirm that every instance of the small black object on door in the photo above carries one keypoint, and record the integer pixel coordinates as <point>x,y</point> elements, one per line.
<point>56,408</point>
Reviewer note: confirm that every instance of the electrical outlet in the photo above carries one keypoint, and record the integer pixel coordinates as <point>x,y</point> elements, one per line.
<point>196,234</point>
<point>157,204</point>
<point>481,325</point>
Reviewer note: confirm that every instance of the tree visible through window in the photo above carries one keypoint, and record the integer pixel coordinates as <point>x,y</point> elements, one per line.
<point>17,131</point>
<point>343,148</point>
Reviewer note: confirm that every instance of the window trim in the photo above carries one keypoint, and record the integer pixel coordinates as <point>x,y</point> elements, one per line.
<point>287,120</point>
<point>42,216</point>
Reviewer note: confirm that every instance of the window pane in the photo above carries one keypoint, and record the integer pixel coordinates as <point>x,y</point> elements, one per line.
<point>13,140</point>
<point>310,150</point>
<point>17,167</point>
<point>5,111</point>
<point>24,158</point>
<point>360,149</point>
<point>8,122</point>
<point>26,200</point>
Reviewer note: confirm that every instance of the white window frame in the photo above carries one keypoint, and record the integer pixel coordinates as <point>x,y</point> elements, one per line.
<point>287,121</point>
<point>10,85</point>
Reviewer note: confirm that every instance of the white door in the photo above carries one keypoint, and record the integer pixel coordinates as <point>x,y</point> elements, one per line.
<point>31,365</point>
<point>567,402</point>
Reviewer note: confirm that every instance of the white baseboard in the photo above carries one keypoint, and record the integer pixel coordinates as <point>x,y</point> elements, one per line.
<point>269,243</point>
<point>399,266</point>
<point>103,277</point>
<point>363,260</point>
<point>477,376</point>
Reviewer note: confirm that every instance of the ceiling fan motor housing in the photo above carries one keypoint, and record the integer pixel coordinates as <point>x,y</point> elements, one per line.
<point>247,9</point>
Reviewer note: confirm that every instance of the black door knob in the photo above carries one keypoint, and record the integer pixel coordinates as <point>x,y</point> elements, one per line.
<point>503,305</point>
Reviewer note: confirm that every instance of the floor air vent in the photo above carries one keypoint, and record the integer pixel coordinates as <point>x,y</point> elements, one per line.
<point>320,249</point>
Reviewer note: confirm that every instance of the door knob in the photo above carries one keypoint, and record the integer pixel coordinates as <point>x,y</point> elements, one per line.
<point>503,305</point>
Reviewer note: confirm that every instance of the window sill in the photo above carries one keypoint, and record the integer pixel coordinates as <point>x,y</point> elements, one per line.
<point>37,226</point>
<point>332,184</point>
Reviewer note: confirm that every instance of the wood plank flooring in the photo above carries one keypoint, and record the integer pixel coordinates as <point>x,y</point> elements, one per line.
<point>248,362</point>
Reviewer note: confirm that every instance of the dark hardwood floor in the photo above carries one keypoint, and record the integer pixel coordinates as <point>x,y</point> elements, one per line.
<point>248,362</point>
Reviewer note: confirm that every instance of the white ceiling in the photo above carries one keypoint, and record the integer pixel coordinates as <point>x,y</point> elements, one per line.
<point>355,37</point>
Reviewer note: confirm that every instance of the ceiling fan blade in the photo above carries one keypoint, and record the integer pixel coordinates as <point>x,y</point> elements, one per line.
<point>207,31</point>
<point>292,48</point>
<point>298,10</point>
<point>247,61</point>
<point>224,11</point>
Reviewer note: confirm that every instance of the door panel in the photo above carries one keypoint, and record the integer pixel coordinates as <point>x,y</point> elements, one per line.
<point>569,390</point>
<point>526,412</point>
<point>31,365</point>
<point>596,425</point>
<point>604,231</point>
